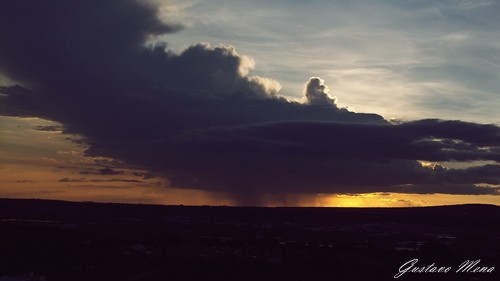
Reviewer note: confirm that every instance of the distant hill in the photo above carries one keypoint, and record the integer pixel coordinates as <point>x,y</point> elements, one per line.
<point>64,210</point>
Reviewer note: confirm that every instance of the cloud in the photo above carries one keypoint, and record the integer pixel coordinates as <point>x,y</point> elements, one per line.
<point>321,157</point>
<point>219,70</point>
<point>316,93</point>
<point>99,49</point>
<point>72,180</point>
<point>25,181</point>
<point>200,119</point>
<point>49,128</point>
<point>431,140</point>
<point>103,172</point>
<point>45,41</point>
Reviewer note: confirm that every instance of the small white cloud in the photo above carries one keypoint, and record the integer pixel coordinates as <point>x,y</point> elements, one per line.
<point>316,93</point>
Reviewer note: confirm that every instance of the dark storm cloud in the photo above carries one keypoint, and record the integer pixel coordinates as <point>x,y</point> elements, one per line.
<point>200,120</point>
<point>59,43</point>
<point>431,140</point>
<point>324,157</point>
<point>18,101</point>
<point>98,46</point>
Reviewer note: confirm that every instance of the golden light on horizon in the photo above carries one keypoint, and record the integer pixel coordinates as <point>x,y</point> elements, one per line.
<point>405,200</point>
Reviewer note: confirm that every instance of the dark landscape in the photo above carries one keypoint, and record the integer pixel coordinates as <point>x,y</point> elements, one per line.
<point>58,240</point>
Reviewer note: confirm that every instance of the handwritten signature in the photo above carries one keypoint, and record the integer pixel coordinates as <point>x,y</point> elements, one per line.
<point>468,266</point>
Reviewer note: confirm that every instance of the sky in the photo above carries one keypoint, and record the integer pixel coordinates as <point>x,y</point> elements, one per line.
<point>261,103</point>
